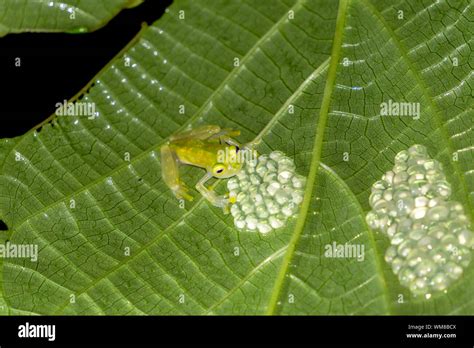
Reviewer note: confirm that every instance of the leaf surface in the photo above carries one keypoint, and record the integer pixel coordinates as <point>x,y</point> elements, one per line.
<point>128,248</point>
<point>74,16</point>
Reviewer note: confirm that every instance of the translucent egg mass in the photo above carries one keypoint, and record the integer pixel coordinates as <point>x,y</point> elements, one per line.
<point>267,192</point>
<point>429,233</point>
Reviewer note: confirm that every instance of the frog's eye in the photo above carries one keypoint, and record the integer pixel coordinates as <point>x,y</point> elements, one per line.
<point>218,169</point>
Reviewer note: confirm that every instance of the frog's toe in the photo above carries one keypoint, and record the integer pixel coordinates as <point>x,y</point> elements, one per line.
<point>222,202</point>
<point>188,197</point>
<point>181,192</point>
<point>226,209</point>
<point>184,194</point>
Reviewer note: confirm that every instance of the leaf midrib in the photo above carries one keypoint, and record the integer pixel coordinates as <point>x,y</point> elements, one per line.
<point>370,235</point>
<point>262,264</point>
<point>316,158</point>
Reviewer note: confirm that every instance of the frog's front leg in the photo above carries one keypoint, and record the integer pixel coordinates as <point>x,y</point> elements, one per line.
<point>203,132</point>
<point>170,174</point>
<point>211,196</point>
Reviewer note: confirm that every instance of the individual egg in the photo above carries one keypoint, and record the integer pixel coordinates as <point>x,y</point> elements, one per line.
<point>276,155</point>
<point>388,177</point>
<point>275,222</point>
<point>372,220</point>
<point>261,170</point>
<point>438,213</point>
<point>262,212</point>
<point>239,222</point>
<point>297,197</point>
<point>235,210</point>
<point>272,166</point>
<point>418,213</point>
<point>270,177</point>
<point>251,221</point>
<point>281,196</point>
<point>263,227</point>
<point>273,187</point>
<point>401,157</point>
<point>465,237</point>
<point>297,181</point>
<point>284,176</point>
<point>390,253</point>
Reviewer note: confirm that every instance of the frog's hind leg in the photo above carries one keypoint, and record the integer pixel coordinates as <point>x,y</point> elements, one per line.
<point>252,144</point>
<point>226,136</point>
<point>170,174</point>
<point>203,132</point>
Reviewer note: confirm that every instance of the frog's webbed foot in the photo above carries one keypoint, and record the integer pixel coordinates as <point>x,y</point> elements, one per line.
<point>181,191</point>
<point>211,196</point>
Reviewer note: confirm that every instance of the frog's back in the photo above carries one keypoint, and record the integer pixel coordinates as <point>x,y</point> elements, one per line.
<point>195,152</point>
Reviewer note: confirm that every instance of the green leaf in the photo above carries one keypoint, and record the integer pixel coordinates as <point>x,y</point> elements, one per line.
<point>73,16</point>
<point>335,62</point>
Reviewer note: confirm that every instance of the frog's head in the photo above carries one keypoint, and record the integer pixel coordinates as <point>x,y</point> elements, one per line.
<point>229,163</point>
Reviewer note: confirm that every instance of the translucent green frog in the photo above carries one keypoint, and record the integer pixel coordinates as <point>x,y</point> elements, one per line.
<point>208,147</point>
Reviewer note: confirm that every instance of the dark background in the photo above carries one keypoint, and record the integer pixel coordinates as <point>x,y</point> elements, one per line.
<point>55,66</point>
<point>238,331</point>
